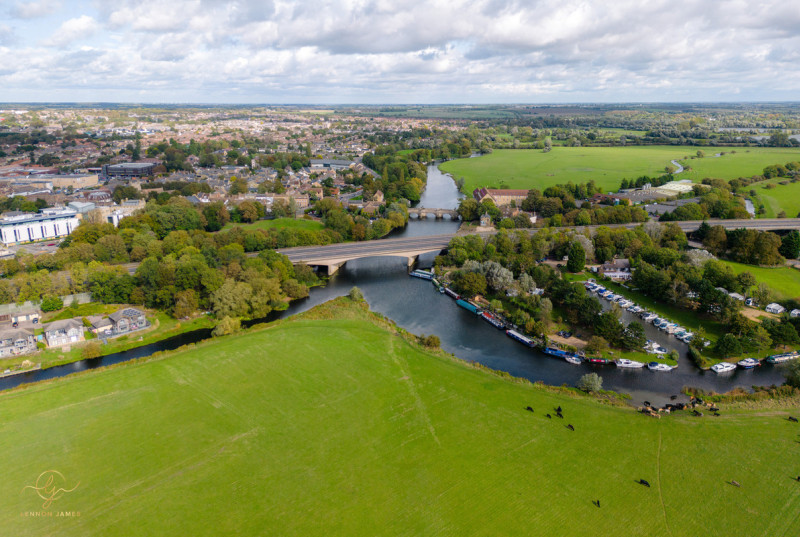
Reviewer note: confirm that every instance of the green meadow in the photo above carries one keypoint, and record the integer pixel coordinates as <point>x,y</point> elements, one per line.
<point>780,198</point>
<point>279,223</point>
<point>784,281</point>
<point>332,423</point>
<point>607,166</point>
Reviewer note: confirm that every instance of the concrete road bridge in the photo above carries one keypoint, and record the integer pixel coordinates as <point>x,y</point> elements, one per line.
<point>333,256</point>
<point>423,212</point>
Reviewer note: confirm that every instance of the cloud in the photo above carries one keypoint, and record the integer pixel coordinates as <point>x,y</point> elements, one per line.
<point>34,10</point>
<point>419,50</point>
<point>72,30</point>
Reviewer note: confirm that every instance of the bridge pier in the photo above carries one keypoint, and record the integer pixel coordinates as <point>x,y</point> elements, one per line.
<point>334,268</point>
<point>411,260</point>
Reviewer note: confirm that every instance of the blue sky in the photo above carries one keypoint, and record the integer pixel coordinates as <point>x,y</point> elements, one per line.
<point>380,51</point>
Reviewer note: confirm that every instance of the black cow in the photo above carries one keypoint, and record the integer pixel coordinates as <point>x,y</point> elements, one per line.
<point>558,409</point>
<point>645,483</point>
<point>529,409</point>
<point>792,418</point>
<point>549,416</point>
<point>647,403</point>
<point>673,397</point>
<point>570,427</point>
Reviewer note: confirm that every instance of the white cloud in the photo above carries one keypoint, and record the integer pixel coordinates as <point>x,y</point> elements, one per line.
<point>34,10</point>
<point>423,50</point>
<point>72,30</point>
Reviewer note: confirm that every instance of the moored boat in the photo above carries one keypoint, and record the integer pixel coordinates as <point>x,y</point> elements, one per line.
<point>552,351</point>
<point>781,358</point>
<point>423,274</point>
<point>656,366</point>
<point>452,294</point>
<point>722,367</point>
<point>573,359</point>
<point>599,361</point>
<point>469,306</point>
<point>519,337</point>
<point>748,363</point>
<point>624,362</point>
<point>491,319</point>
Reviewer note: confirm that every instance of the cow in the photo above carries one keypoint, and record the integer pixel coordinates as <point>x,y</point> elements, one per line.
<point>792,418</point>
<point>529,409</point>
<point>645,483</point>
<point>549,416</point>
<point>570,427</point>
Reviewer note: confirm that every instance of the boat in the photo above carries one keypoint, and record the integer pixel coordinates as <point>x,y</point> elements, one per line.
<point>552,351</point>
<point>492,320</point>
<point>656,366</point>
<point>781,358</point>
<point>723,367</point>
<point>599,361</point>
<point>748,363</point>
<point>469,306</point>
<point>573,359</point>
<point>519,337</point>
<point>452,294</point>
<point>436,282</point>
<point>624,362</point>
<point>423,274</point>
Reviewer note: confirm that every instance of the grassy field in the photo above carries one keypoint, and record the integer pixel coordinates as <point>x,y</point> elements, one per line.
<point>784,281</point>
<point>329,424</point>
<point>781,198</point>
<point>746,162</point>
<point>607,166</point>
<point>279,223</point>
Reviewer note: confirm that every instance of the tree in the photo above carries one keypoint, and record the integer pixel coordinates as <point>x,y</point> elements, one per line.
<point>596,346</point>
<point>470,283</point>
<point>577,258</point>
<point>93,349</point>
<point>763,294</point>
<point>790,245</point>
<point>217,216</point>
<point>633,337</point>
<point>185,304</point>
<point>792,374</point>
<point>232,299</point>
<point>248,211</point>
<point>728,345</point>
<point>468,210</point>
<point>591,382</point>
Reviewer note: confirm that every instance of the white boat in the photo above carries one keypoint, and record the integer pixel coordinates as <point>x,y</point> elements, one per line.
<point>655,366</point>
<point>624,362</point>
<point>572,359</point>
<point>722,367</point>
<point>748,363</point>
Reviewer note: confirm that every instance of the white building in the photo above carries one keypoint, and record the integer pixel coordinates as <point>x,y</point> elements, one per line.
<point>48,224</point>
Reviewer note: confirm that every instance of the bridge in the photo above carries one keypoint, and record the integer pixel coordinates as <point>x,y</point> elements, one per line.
<point>333,256</point>
<point>423,212</point>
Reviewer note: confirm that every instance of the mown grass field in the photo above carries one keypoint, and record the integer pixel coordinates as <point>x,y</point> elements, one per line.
<point>784,281</point>
<point>607,166</point>
<point>746,162</point>
<point>279,223</point>
<point>329,424</point>
<point>781,198</point>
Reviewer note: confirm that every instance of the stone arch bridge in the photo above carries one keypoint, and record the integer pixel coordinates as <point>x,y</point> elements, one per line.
<point>423,212</point>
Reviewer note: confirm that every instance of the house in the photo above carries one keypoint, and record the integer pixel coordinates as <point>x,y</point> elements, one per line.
<point>16,341</point>
<point>618,269</point>
<point>794,313</point>
<point>486,220</point>
<point>64,332</point>
<point>500,196</point>
<point>127,320</point>
<point>775,308</point>
<point>100,325</point>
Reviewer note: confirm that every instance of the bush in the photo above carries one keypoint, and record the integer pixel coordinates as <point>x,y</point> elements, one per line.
<point>430,341</point>
<point>92,350</point>
<point>591,382</point>
<point>356,295</point>
<point>596,346</point>
<point>792,374</point>
<point>227,325</point>
<point>51,303</point>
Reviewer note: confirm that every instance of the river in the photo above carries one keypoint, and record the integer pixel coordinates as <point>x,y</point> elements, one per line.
<point>416,306</point>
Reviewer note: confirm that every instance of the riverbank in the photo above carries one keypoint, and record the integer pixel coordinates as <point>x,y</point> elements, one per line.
<point>286,407</point>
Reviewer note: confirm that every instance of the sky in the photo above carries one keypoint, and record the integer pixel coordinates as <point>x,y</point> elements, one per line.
<point>392,52</point>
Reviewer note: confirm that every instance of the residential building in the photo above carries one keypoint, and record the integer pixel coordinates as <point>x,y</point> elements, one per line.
<point>51,223</point>
<point>16,341</point>
<point>500,197</point>
<point>64,332</point>
<point>127,320</point>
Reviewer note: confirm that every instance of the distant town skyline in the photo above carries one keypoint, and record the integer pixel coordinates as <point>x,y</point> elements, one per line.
<point>379,52</point>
